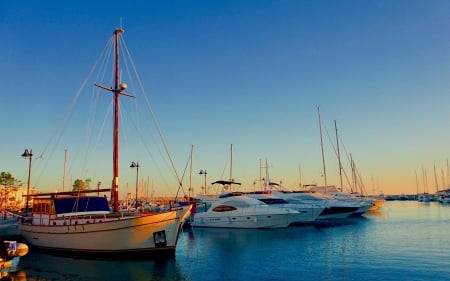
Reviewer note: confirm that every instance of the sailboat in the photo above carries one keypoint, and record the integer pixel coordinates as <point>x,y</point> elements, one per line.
<point>84,222</point>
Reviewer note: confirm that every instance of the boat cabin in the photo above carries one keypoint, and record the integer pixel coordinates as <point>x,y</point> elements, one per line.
<point>71,205</point>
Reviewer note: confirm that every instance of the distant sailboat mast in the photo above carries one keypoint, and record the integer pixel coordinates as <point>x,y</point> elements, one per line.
<point>354,187</point>
<point>448,175</point>
<point>435,178</point>
<point>231,163</point>
<point>338,155</point>
<point>321,146</point>
<point>417,183</point>
<point>300,185</point>
<point>261,186</point>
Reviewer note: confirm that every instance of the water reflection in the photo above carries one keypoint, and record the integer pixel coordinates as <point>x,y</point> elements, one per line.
<point>386,245</point>
<point>43,267</point>
<point>14,276</point>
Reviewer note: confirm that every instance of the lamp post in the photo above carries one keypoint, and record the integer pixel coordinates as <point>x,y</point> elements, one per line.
<point>203,172</point>
<point>29,155</point>
<point>136,165</point>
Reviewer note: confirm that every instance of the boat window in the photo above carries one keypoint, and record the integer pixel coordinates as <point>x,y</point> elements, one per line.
<point>238,203</point>
<point>271,201</point>
<point>42,206</point>
<point>231,194</point>
<point>224,208</point>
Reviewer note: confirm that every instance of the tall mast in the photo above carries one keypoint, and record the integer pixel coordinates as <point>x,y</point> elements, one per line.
<point>191,191</point>
<point>115,185</point>
<point>118,89</point>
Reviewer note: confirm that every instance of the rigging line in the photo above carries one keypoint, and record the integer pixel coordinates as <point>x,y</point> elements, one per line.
<point>184,173</point>
<point>359,179</point>
<point>91,144</point>
<point>225,166</point>
<point>349,159</point>
<point>337,155</point>
<point>128,61</point>
<point>155,121</point>
<point>126,57</point>
<point>72,104</point>
<point>56,135</point>
<point>345,150</point>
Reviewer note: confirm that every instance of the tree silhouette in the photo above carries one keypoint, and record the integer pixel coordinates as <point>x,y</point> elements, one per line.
<point>79,185</point>
<point>9,183</point>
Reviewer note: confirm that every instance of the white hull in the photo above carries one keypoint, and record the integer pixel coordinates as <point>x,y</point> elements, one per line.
<point>365,206</point>
<point>329,214</point>
<point>307,214</point>
<point>138,232</point>
<point>244,212</point>
<point>333,209</point>
<point>244,221</point>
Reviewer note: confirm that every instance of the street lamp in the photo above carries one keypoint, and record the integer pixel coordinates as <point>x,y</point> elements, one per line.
<point>203,173</point>
<point>28,154</point>
<point>136,165</point>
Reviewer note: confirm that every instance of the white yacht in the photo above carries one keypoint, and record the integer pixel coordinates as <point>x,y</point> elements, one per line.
<point>365,202</point>
<point>307,213</point>
<point>244,212</point>
<point>333,208</point>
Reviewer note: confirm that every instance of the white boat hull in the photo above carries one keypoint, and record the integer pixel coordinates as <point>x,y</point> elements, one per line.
<point>330,214</point>
<point>307,214</point>
<point>133,233</point>
<point>244,221</point>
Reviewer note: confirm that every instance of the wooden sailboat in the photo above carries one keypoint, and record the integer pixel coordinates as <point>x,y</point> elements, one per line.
<point>79,222</point>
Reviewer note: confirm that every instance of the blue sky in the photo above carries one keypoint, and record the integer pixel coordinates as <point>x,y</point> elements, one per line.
<point>246,73</point>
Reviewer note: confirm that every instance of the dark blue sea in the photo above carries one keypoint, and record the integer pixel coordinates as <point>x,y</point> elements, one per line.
<point>404,240</point>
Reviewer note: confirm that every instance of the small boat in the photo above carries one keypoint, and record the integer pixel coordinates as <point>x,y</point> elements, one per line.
<point>424,197</point>
<point>77,222</point>
<point>10,254</point>
<point>444,198</point>
<point>244,212</point>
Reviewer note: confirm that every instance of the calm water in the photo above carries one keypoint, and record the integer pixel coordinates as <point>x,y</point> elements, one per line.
<point>403,241</point>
